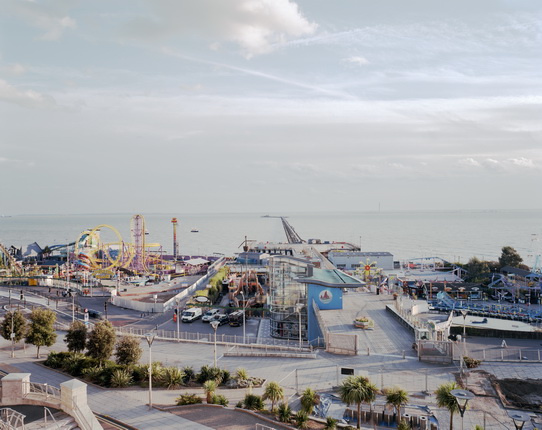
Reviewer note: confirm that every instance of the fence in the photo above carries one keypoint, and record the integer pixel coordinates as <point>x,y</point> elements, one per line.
<point>336,343</point>
<point>496,354</point>
<point>223,339</point>
<point>423,380</point>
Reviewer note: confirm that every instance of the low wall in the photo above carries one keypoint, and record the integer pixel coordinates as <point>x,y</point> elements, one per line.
<point>125,302</point>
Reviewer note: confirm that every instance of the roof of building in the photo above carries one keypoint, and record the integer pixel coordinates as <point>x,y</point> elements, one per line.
<point>361,253</point>
<point>517,271</point>
<point>196,261</point>
<point>331,278</point>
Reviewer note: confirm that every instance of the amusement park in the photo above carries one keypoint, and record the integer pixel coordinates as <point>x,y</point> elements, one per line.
<point>310,300</point>
<point>99,254</point>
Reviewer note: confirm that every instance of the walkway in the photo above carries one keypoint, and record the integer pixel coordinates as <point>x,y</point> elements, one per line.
<point>385,366</point>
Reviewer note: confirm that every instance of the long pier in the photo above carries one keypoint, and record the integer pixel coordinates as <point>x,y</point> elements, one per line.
<point>291,234</point>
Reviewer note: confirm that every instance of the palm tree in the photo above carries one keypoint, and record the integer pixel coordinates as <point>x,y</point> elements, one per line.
<point>357,390</point>
<point>274,392</point>
<point>209,387</point>
<point>331,423</point>
<point>397,397</point>
<point>403,425</point>
<point>308,400</point>
<point>446,400</point>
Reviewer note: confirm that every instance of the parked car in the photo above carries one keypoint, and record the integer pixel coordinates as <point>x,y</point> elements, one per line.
<point>236,319</point>
<point>209,315</point>
<point>95,314</point>
<point>190,315</point>
<point>221,318</point>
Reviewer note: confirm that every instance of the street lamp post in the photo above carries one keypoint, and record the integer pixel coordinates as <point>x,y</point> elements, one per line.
<point>215,324</point>
<point>12,335</point>
<point>519,418</point>
<point>244,310</point>
<point>464,312</point>
<point>177,301</point>
<point>298,308</point>
<point>68,266</point>
<point>150,338</point>
<point>462,397</point>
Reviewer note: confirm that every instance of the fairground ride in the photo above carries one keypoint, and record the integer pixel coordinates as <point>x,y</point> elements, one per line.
<point>8,265</point>
<point>102,250</point>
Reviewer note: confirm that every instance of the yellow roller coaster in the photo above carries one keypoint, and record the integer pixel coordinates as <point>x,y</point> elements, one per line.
<point>94,253</point>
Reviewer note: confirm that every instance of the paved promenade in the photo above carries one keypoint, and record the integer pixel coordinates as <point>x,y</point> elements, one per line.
<point>384,365</point>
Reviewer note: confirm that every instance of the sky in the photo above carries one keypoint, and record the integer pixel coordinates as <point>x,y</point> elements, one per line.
<point>271,106</point>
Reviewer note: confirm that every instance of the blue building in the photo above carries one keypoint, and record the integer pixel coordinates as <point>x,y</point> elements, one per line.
<point>296,289</point>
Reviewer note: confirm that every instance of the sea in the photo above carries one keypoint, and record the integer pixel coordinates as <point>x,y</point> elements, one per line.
<point>454,236</point>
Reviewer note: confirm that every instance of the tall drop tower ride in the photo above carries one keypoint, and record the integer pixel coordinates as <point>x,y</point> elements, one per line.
<point>175,243</point>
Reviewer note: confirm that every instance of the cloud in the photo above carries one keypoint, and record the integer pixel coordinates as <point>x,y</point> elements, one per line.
<point>522,162</point>
<point>14,69</point>
<point>357,60</point>
<point>51,17</point>
<point>257,26</point>
<point>25,98</point>
<point>17,163</point>
<point>469,162</point>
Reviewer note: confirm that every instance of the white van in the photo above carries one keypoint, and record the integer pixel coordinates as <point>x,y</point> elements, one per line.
<point>191,314</point>
<point>209,315</point>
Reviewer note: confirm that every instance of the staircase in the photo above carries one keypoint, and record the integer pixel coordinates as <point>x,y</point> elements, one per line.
<point>61,421</point>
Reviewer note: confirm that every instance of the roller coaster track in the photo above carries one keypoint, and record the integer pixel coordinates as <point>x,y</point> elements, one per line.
<point>8,262</point>
<point>291,234</point>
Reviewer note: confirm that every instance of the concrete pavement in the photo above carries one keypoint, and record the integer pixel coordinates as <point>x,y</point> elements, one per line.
<point>384,365</point>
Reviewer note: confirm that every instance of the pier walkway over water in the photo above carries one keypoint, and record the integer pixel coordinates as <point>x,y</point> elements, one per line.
<point>291,234</point>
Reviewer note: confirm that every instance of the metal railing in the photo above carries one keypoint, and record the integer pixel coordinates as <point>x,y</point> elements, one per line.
<point>45,411</point>
<point>501,354</point>
<point>264,427</point>
<point>223,339</point>
<point>11,419</point>
<point>41,390</point>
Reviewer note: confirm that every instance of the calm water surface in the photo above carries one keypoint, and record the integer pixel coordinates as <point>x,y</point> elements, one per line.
<point>447,234</point>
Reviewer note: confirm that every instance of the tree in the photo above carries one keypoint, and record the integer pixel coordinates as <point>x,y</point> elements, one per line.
<point>301,419</point>
<point>331,423</point>
<point>477,269</point>
<point>128,350</point>
<point>274,392</point>
<point>357,390</point>
<point>209,387</point>
<point>397,397</point>
<point>308,400</point>
<point>446,400</point>
<point>403,425</point>
<point>17,321</point>
<point>509,257</point>
<point>101,341</point>
<point>284,412</point>
<point>76,337</point>
<point>41,331</point>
